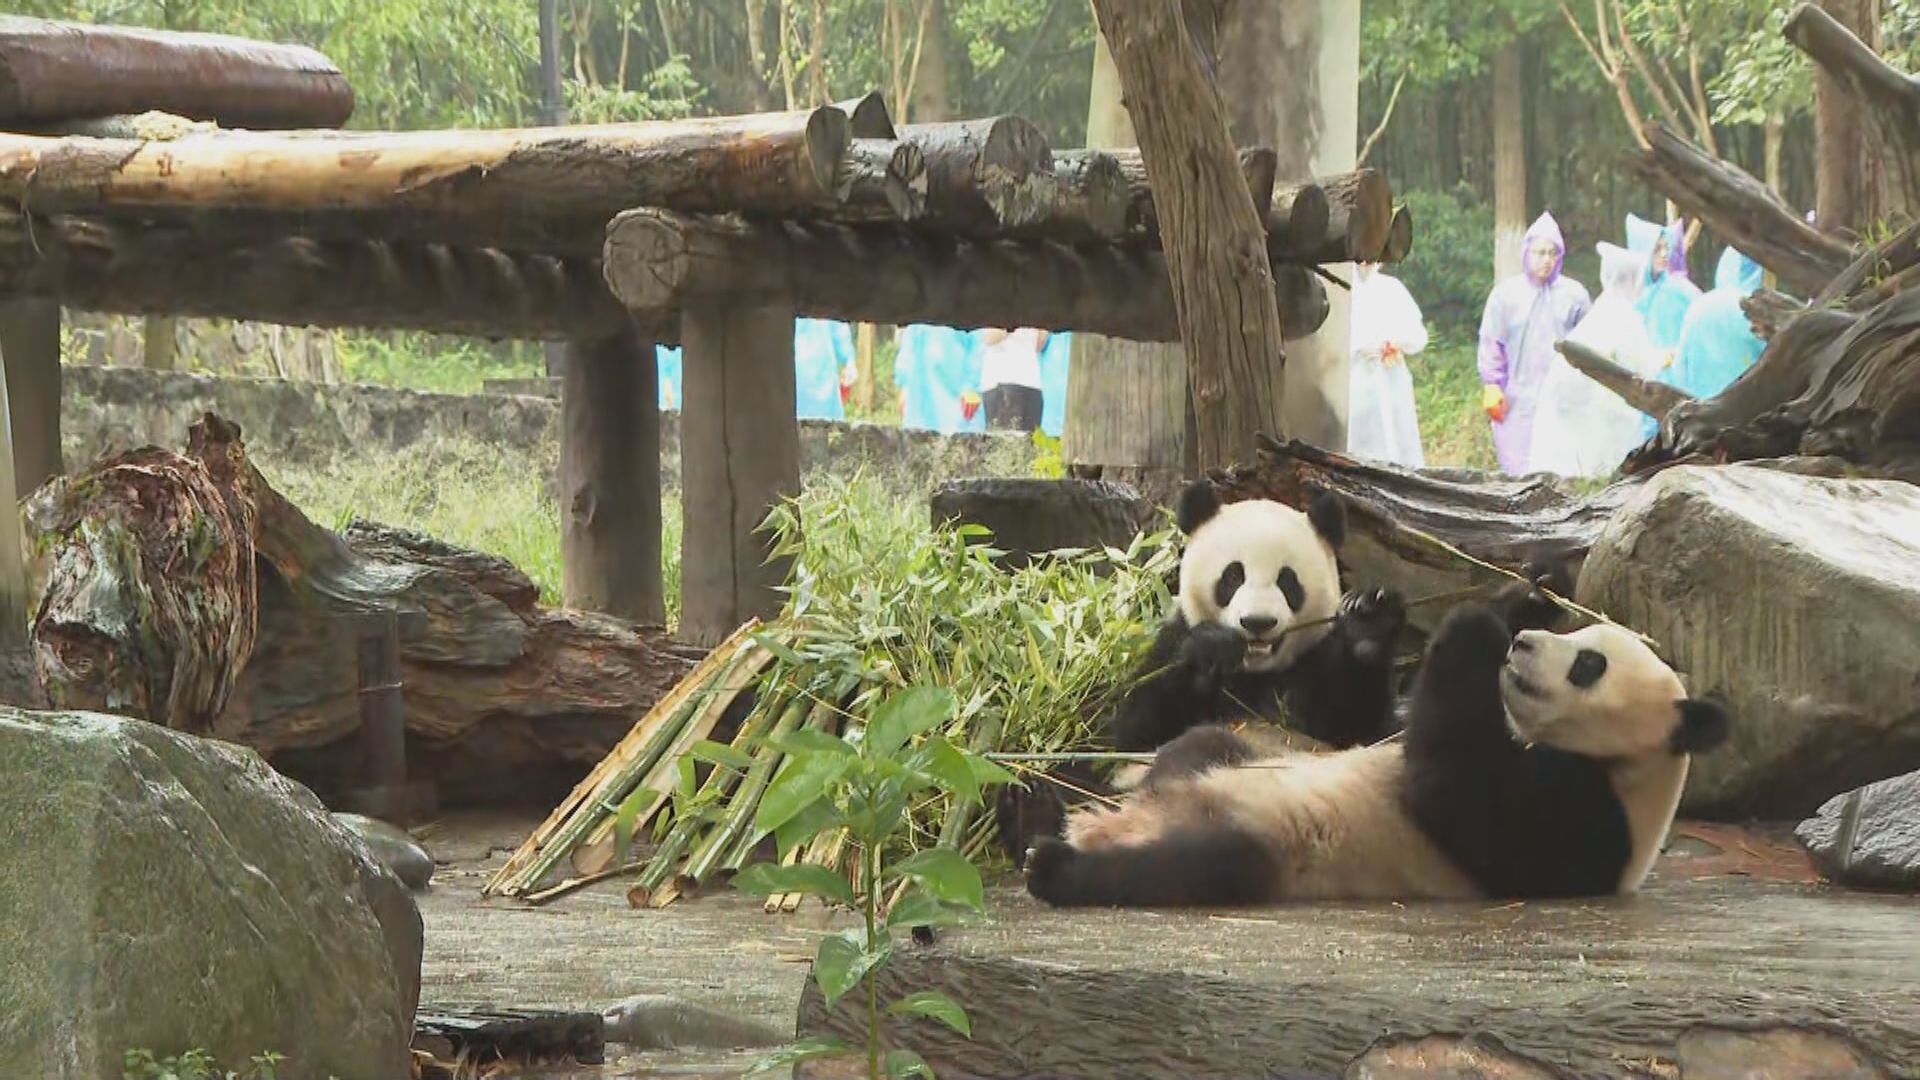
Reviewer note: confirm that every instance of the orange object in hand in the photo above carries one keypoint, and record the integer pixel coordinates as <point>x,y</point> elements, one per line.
<point>969,404</point>
<point>1494,401</point>
<point>1390,353</point>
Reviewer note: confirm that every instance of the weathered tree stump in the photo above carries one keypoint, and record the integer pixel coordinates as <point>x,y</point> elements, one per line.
<point>30,350</point>
<point>610,478</point>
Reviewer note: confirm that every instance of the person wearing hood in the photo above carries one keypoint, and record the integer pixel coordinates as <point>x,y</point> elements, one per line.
<point>1717,341</point>
<point>1385,328</point>
<point>1525,316</point>
<point>1666,292</point>
<point>1582,428</point>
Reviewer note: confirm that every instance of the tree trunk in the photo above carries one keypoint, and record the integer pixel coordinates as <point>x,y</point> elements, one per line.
<point>1509,160</point>
<point>659,262</point>
<point>929,96</point>
<point>610,479</point>
<point>30,350</point>
<point>160,342</point>
<point>1877,101</point>
<point>1844,157</point>
<point>57,71</point>
<point>1214,237</point>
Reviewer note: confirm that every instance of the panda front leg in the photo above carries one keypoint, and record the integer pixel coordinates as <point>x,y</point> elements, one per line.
<point>1035,808</point>
<point>1179,685</point>
<point>1341,692</point>
<point>1213,865</point>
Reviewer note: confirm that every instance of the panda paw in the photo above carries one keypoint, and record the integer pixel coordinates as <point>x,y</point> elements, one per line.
<point>1025,816</point>
<point>1372,620</point>
<point>1047,865</point>
<point>1213,650</point>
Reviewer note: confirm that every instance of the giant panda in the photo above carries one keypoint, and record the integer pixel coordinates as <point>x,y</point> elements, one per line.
<point>1534,765</point>
<point>1260,622</point>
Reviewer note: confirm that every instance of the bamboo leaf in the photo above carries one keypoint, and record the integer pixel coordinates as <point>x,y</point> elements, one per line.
<point>714,753</point>
<point>807,741</point>
<point>766,879</point>
<point>934,1005</point>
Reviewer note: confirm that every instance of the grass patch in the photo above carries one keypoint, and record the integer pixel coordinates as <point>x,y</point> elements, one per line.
<point>448,365</point>
<point>1446,395</point>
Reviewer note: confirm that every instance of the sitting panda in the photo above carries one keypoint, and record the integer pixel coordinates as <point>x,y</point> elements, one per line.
<point>1535,765</point>
<point>1261,622</point>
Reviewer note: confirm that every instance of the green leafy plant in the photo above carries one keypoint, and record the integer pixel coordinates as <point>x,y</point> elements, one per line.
<point>196,1065</point>
<point>863,787</point>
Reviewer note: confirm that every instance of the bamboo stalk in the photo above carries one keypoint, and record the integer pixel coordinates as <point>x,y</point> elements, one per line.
<point>660,867</point>
<point>619,757</point>
<point>820,718</point>
<point>746,800</point>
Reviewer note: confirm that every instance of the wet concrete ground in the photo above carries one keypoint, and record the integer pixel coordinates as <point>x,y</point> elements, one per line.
<point>1696,936</point>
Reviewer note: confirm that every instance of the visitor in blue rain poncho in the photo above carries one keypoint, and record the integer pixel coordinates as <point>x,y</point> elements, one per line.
<point>938,371</point>
<point>1526,314</point>
<point>1583,428</point>
<point>1717,342</point>
<point>1384,328</point>
<point>1053,383</point>
<point>669,366</point>
<point>1666,293</point>
<point>822,355</point>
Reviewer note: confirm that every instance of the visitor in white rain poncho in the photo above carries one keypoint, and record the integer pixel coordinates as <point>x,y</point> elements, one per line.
<point>1386,329</point>
<point>1582,428</point>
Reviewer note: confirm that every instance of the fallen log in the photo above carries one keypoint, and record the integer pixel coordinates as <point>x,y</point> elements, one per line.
<point>1873,266</point>
<point>505,700</point>
<point>868,116</point>
<point>1296,216</point>
<point>1890,97</point>
<point>981,174</point>
<point>473,188</point>
<point>659,262</point>
<point>55,71</point>
<point>175,269</point>
<point>1767,311</point>
<point>1505,521</point>
<point>1830,384</point>
<point>1359,217</point>
<point>1649,396</point>
<point>1740,209</point>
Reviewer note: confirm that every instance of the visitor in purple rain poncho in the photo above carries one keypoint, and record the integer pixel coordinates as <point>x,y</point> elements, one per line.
<point>1526,314</point>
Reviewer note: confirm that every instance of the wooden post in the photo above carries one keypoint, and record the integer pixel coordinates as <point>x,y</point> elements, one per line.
<point>610,477</point>
<point>739,455</point>
<point>30,348</point>
<point>383,720</point>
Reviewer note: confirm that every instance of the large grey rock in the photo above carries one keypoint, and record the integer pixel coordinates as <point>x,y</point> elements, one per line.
<point>1797,600</point>
<point>1869,837</point>
<point>169,893</point>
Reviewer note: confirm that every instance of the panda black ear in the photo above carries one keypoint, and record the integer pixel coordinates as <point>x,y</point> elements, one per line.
<point>1328,512</point>
<point>1703,726</point>
<point>1198,503</point>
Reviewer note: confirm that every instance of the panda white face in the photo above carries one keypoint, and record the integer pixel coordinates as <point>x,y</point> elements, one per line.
<point>1263,569</point>
<point>1598,691</point>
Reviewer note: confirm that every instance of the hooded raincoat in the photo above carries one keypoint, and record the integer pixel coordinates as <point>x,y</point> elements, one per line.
<point>936,366</point>
<point>1717,342</point>
<point>1386,328</point>
<point>1666,293</point>
<point>1582,428</point>
<point>822,350</point>
<point>1522,321</point>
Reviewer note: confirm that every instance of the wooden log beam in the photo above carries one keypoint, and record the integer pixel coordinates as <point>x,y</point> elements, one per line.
<point>984,174</point>
<point>1399,237</point>
<point>1214,237</point>
<point>538,189</point>
<point>30,351</point>
<point>1891,97</point>
<point>868,116</point>
<point>96,265</point>
<point>740,452</point>
<point>1736,206</point>
<point>1656,399</point>
<point>658,261</point>
<point>1299,217</point>
<point>1297,214</point>
<point>52,71</point>
<point>610,478</point>
<point>1089,201</point>
<point>882,181</point>
<point>1359,218</point>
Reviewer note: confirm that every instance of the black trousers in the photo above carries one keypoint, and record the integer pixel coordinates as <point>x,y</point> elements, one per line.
<point>1012,408</point>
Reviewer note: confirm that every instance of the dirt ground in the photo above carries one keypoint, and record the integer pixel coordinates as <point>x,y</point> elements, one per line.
<point>1743,918</point>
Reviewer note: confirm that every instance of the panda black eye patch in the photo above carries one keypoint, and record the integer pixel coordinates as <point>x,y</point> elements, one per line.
<point>1291,588</point>
<point>1587,668</point>
<point>1230,581</point>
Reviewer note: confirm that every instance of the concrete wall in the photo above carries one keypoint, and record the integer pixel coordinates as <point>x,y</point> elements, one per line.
<point>105,409</point>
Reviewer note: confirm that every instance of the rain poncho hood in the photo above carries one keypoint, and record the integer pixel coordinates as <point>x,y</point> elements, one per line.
<point>1717,341</point>
<point>1545,228</point>
<point>1582,428</point>
<point>1381,421</point>
<point>1665,291</point>
<point>1522,321</point>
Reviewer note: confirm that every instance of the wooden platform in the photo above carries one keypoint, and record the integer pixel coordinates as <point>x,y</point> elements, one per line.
<point>1701,976</point>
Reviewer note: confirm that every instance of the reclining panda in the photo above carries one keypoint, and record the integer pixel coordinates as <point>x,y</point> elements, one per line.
<point>1534,765</point>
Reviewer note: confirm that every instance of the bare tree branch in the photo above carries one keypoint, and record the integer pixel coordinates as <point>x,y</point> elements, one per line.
<point>1380,129</point>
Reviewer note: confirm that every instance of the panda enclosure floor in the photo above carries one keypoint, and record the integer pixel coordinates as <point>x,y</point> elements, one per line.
<point>1634,987</point>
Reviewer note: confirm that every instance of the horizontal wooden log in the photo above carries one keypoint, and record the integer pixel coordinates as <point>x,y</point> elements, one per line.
<point>1399,237</point>
<point>983,174</point>
<point>540,189</point>
<point>1297,215</point>
<point>1654,398</point>
<point>658,261</point>
<point>98,265</point>
<point>1359,217</point>
<point>53,71</point>
<point>868,116</point>
<point>1740,209</point>
<point>1889,96</point>
<point>1298,218</point>
<point>881,180</point>
<point>1089,200</point>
